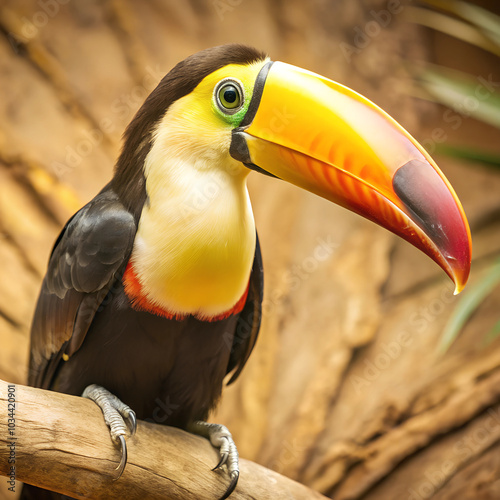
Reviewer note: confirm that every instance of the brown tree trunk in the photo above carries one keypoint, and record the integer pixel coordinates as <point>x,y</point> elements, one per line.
<point>61,443</point>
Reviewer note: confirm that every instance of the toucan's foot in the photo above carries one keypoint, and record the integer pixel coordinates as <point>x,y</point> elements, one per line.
<point>221,438</point>
<point>117,416</point>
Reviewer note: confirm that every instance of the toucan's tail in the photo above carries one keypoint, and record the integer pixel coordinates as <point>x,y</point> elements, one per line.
<point>30,492</point>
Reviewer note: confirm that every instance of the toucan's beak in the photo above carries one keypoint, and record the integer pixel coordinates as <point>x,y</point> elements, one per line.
<point>328,139</point>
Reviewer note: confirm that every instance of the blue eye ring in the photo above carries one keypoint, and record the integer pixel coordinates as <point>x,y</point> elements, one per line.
<point>229,96</point>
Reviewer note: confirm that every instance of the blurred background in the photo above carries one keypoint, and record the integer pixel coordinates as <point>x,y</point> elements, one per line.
<point>370,380</point>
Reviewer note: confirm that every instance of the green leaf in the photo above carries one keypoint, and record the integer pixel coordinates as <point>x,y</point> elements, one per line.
<point>462,93</point>
<point>492,334</point>
<point>484,20</point>
<point>455,28</point>
<point>470,154</point>
<point>467,305</point>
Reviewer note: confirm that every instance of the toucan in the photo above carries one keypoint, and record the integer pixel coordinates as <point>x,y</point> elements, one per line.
<point>153,293</point>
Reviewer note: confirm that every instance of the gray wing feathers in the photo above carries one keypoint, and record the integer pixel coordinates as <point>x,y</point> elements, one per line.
<point>91,250</point>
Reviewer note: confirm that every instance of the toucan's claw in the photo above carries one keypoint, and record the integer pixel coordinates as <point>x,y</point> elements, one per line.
<point>123,461</point>
<point>117,415</point>
<point>132,422</point>
<point>222,461</point>
<point>234,481</point>
<point>221,438</point>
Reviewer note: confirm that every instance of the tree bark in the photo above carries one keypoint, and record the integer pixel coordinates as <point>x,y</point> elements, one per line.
<point>61,443</point>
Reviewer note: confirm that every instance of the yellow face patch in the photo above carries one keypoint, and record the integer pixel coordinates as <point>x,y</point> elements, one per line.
<point>198,124</point>
<point>195,243</point>
<point>218,86</point>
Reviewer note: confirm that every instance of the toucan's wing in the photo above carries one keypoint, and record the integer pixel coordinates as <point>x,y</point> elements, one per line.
<point>248,325</point>
<point>89,254</point>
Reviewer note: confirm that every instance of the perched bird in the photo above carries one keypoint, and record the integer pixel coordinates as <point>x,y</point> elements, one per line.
<point>154,288</point>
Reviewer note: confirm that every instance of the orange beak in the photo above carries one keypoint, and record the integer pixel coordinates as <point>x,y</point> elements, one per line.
<point>327,139</point>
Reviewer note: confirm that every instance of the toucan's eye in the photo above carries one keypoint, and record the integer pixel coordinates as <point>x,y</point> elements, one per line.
<point>229,96</point>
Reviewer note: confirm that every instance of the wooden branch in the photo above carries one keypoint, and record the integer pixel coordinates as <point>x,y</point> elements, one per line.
<point>61,443</point>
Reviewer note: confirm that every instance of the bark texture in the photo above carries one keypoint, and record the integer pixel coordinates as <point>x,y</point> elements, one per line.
<point>62,444</point>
